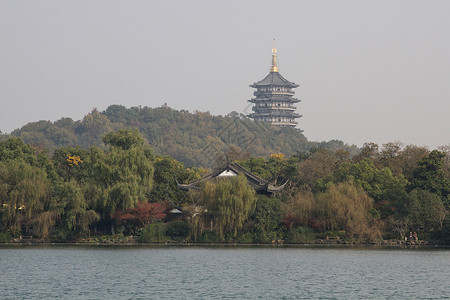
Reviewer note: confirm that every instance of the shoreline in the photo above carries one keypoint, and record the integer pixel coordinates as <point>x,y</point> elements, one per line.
<point>232,245</point>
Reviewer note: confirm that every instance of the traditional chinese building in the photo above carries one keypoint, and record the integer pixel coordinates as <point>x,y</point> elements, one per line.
<point>274,102</point>
<point>261,186</point>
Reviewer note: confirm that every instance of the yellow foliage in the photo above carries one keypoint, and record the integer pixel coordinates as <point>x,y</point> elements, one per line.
<point>74,160</point>
<point>279,156</point>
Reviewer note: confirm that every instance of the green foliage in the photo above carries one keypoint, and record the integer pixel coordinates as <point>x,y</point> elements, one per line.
<point>46,135</point>
<point>5,237</point>
<point>178,231</point>
<point>15,148</point>
<point>167,173</point>
<point>23,191</point>
<point>425,210</point>
<point>44,222</point>
<point>229,202</point>
<point>75,189</point>
<point>195,139</point>
<point>62,234</point>
<point>119,178</point>
<point>344,206</point>
<point>71,204</point>
<point>266,219</point>
<point>65,170</point>
<point>153,233</point>
<point>91,129</point>
<point>319,166</point>
<point>379,184</point>
<point>300,235</point>
<point>210,237</point>
<point>429,175</point>
<point>124,139</point>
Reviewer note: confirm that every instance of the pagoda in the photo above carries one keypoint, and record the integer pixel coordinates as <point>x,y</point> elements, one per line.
<point>274,102</point>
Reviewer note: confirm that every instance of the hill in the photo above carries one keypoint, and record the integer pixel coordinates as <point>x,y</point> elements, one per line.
<point>196,139</point>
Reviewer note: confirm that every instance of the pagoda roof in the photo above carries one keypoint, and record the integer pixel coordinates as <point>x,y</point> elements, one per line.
<point>274,78</point>
<point>260,185</point>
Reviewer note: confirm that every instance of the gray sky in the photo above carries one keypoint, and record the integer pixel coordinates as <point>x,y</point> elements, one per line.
<point>369,71</point>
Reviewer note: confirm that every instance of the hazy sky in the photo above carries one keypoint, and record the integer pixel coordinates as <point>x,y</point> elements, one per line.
<point>369,71</point>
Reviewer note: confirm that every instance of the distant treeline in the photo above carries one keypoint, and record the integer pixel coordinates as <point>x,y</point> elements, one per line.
<point>196,139</point>
<point>123,186</point>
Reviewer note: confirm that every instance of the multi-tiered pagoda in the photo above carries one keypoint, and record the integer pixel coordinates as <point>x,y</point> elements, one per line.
<point>274,102</point>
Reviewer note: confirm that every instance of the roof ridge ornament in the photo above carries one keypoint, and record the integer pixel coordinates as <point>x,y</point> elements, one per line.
<point>274,67</point>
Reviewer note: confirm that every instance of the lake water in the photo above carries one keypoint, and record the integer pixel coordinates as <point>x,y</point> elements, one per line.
<point>138,272</point>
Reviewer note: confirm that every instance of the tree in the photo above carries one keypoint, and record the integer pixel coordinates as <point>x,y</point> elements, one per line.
<point>168,172</point>
<point>389,157</point>
<point>368,151</point>
<point>345,206</point>
<point>299,209</point>
<point>266,218</point>
<point>409,157</point>
<point>143,214</point>
<point>119,179</point>
<point>72,204</point>
<point>93,126</point>
<point>15,148</point>
<point>429,175</point>
<point>384,188</point>
<point>124,139</point>
<point>228,202</point>
<point>425,210</point>
<point>24,190</point>
<point>319,165</point>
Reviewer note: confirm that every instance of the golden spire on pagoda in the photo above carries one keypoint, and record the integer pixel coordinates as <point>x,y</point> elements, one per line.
<point>274,67</point>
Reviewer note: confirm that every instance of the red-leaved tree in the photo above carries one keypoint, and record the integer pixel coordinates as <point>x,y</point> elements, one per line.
<point>143,214</point>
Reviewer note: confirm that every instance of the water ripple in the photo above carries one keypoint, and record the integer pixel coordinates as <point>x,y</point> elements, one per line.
<point>226,273</point>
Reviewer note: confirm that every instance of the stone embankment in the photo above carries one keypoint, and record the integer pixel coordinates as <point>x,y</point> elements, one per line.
<point>131,240</point>
<point>334,241</point>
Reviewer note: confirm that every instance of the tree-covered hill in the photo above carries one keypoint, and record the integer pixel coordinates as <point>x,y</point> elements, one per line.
<point>196,139</point>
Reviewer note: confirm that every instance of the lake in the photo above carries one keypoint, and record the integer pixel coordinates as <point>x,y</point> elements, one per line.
<point>146,272</point>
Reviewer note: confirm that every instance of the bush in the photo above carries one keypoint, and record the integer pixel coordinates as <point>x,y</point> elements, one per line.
<point>210,237</point>
<point>246,238</point>
<point>5,237</point>
<point>178,231</point>
<point>62,234</point>
<point>153,233</point>
<point>390,235</point>
<point>300,235</point>
<point>262,236</point>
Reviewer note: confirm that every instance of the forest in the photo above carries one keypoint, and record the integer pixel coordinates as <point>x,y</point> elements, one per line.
<point>192,138</point>
<point>120,188</point>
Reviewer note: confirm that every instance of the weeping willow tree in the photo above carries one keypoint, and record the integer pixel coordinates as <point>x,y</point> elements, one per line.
<point>344,206</point>
<point>44,222</point>
<point>121,177</point>
<point>226,203</point>
<point>299,208</point>
<point>74,212</point>
<point>24,189</point>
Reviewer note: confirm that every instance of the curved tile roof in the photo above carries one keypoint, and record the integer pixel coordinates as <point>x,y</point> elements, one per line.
<point>274,78</point>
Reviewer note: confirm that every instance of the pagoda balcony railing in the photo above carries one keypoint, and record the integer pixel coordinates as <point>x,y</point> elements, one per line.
<point>281,98</point>
<point>257,93</point>
<point>276,114</point>
<point>275,122</point>
<point>272,108</point>
<point>283,123</point>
